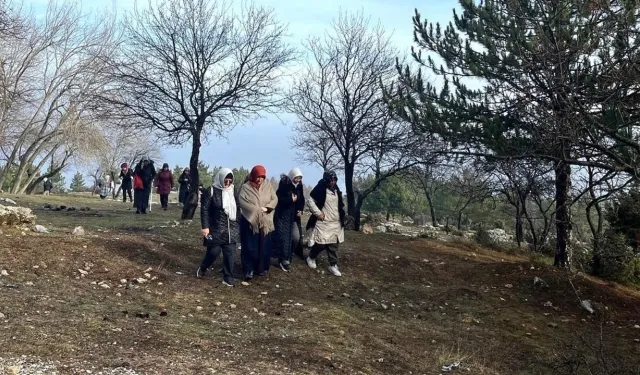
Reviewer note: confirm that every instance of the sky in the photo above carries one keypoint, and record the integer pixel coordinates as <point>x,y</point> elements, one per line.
<point>266,141</point>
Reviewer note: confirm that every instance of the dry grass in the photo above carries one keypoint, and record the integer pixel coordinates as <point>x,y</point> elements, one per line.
<point>403,307</point>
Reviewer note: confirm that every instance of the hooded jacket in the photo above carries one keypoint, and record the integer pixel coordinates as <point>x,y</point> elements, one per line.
<point>222,230</point>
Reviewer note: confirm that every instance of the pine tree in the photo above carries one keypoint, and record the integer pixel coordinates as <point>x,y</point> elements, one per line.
<point>553,82</point>
<point>77,183</point>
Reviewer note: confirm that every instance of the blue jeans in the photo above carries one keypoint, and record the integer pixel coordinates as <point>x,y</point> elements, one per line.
<point>256,249</point>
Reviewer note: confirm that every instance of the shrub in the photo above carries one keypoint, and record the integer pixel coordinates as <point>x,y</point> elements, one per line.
<point>498,224</point>
<point>615,259</point>
<point>483,238</point>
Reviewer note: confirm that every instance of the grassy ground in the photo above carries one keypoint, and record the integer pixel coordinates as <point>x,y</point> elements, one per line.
<point>404,306</point>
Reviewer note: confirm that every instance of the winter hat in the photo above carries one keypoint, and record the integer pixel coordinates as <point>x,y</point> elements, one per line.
<point>46,179</point>
<point>329,175</point>
<point>145,158</point>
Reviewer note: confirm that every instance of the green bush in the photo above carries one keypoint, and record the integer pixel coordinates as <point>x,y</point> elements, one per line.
<point>498,224</point>
<point>615,259</point>
<point>483,238</point>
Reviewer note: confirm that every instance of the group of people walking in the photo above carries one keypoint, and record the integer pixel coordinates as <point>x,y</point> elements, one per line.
<point>267,223</point>
<point>143,177</point>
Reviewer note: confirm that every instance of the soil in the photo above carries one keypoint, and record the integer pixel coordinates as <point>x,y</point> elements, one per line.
<point>403,306</point>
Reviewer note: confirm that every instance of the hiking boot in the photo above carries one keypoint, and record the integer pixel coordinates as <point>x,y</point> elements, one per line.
<point>311,263</point>
<point>200,273</point>
<point>229,282</point>
<point>334,270</point>
<point>248,276</point>
<point>285,266</point>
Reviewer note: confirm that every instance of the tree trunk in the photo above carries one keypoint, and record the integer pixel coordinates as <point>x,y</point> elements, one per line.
<point>519,231</point>
<point>460,220</point>
<point>191,203</point>
<point>352,209</point>
<point>563,215</point>
<point>432,210</point>
<point>388,215</point>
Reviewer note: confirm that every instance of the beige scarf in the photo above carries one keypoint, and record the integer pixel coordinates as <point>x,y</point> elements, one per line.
<point>252,200</point>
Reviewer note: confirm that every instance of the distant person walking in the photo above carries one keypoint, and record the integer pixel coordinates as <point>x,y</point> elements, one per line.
<point>219,214</point>
<point>326,225</point>
<point>48,186</point>
<point>164,182</point>
<point>185,184</point>
<point>257,201</point>
<point>144,174</point>
<point>288,228</point>
<point>106,186</point>
<point>126,178</point>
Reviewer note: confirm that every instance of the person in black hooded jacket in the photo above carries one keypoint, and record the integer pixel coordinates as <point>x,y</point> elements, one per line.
<point>326,225</point>
<point>288,228</point>
<point>219,214</point>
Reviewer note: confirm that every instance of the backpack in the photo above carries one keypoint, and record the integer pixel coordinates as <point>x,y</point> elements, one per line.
<point>137,182</point>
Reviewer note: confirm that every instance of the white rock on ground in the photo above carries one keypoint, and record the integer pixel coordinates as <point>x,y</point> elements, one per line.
<point>13,216</point>
<point>381,229</point>
<point>78,231</point>
<point>35,366</point>
<point>40,229</point>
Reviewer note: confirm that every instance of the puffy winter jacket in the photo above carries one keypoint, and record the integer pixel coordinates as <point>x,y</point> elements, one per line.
<point>221,229</point>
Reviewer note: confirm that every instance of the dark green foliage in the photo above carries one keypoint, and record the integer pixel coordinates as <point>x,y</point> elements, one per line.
<point>77,183</point>
<point>482,237</point>
<point>623,215</point>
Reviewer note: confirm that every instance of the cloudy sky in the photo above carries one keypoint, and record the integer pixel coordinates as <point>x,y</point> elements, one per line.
<point>266,141</point>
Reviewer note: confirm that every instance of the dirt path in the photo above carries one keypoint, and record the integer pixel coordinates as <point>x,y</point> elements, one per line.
<point>404,306</point>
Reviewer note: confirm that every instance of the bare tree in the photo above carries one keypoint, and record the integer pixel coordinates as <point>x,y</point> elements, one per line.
<point>339,97</point>
<point>192,68</point>
<point>430,178</point>
<point>470,185</point>
<point>316,150</point>
<point>48,80</point>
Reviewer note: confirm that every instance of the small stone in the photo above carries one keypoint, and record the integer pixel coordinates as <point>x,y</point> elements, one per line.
<point>2,316</point>
<point>4,273</point>
<point>255,310</point>
<point>140,280</point>
<point>264,293</point>
<point>13,370</point>
<point>384,306</point>
<point>147,275</point>
<point>199,308</point>
<point>148,270</point>
<point>123,281</point>
<point>245,283</point>
<point>218,303</point>
<point>28,283</point>
<point>233,306</point>
<point>105,286</point>
<point>291,320</point>
<point>346,295</point>
<point>509,286</point>
<point>83,272</point>
<point>118,295</point>
<point>636,327</point>
<point>262,314</point>
<point>78,231</point>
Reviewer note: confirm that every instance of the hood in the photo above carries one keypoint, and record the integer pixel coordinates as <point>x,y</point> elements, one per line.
<point>218,182</point>
<point>295,172</point>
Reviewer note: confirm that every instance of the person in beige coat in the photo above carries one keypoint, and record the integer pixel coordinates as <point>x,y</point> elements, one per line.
<point>326,225</point>
<point>257,200</point>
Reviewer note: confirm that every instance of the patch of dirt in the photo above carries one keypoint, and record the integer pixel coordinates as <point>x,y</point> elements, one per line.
<point>404,306</point>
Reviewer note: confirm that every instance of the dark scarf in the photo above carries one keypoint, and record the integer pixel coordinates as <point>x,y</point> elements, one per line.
<point>319,195</point>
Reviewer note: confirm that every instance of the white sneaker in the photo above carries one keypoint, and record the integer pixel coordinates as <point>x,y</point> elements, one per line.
<point>334,270</point>
<point>311,263</point>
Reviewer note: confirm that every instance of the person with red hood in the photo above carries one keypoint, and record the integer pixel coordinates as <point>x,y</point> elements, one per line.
<point>164,182</point>
<point>126,176</point>
<point>257,200</point>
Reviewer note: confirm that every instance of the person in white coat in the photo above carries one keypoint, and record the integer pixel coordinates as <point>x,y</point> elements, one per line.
<point>326,225</point>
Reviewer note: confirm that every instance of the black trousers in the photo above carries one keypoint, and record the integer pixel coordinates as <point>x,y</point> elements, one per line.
<point>332,252</point>
<point>228,252</point>
<point>142,199</point>
<point>164,200</point>
<point>124,195</point>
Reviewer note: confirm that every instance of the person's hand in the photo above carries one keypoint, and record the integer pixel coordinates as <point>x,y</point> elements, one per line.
<point>205,232</point>
<point>264,209</point>
<point>299,213</point>
<point>295,197</point>
<point>321,217</point>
